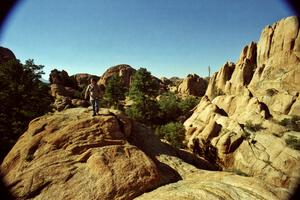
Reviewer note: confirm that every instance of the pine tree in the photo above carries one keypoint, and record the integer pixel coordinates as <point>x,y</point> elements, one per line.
<point>22,97</point>
<point>143,91</point>
<point>114,92</point>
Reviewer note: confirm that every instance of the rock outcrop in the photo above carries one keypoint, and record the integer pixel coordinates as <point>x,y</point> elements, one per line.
<point>215,186</point>
<point>243,140</point>
<point>278,63</point>
<point>269,70</point>
<point>124,71</point>
<point>6,55</point>
<point>70,155</point>
<point>68,90</point>
<point>83,79</point>
<point>251,107</point>
<point>193,85</point>
<point>170,84</point>
<point>61,78</point>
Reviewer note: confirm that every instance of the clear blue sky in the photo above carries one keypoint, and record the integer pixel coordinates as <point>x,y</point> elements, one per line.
<point>168,37</point>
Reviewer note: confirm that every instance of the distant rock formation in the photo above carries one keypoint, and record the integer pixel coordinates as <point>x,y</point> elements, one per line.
<point>67,90</point>
<point>124,71</point>
<point>6,54</point>
<point>60,78</point>
<point>193,85</point>
<point>251,109</point>
<point>82,79</point>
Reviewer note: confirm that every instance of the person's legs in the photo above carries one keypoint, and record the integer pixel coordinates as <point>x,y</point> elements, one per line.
<point>97,106</point>
<point>93,102</point>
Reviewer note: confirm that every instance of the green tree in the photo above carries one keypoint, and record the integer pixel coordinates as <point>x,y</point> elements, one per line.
<point>188,104</point>
<point>22,97</point>
<point>143,91</point>
<point>169,109</point>
<point>114,92</point>
<point>173,132</point>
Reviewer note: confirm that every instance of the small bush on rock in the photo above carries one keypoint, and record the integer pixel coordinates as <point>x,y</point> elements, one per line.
<point>293,142</point>
<point>253,127</point>
<point>292,123</point>
<point>173,132</point>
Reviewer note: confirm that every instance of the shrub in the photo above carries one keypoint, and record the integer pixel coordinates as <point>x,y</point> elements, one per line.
<point>171,107</point>
<point>271,92</point>
<point>78,95</point>
<point>144,111</point>
<point>293,142</point>
<point>188,104</point>
<point>173,132</point>
<point>238,172</point>
<point>246,134</point>
<point>292,123</point>
<point>253,127</point>
<point>219,92</point>
<point>29,157</point>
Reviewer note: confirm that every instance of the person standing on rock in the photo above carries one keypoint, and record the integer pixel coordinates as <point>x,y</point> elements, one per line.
<point>95,93</point>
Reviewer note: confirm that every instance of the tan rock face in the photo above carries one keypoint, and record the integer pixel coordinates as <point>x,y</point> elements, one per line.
<point>234,78</point>
<point>278,44</point>
<point>295,108</point>
<point>278,64</point>
<point>124,71</point>
<point>245,66</point>
<point>243,139</point>
<point>269,70</point>
<point>70,155</point>
<point>197,183</point>
<point>193,85</point>
<point>217,84</point>
<point>239,124</point>
<point>215,186</point>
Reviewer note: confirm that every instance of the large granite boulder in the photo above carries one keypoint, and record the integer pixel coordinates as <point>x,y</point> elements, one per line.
<point>71,155</point>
